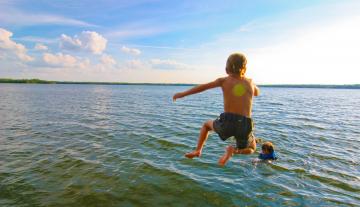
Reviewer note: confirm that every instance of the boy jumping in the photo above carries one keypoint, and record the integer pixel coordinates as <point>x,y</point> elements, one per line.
<point>236,121</point>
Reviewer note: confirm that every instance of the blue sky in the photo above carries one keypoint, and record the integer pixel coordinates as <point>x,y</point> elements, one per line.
<point>180,41</point>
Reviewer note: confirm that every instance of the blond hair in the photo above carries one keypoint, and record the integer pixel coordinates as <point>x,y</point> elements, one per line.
<point>236,64</point>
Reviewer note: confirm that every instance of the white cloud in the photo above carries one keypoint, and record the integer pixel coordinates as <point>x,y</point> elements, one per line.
<point>107,60</point>
<point>9,48</point>
<point>317,54</point>
<point>37,39</point>
<point>59,59</point>
<point>87,41</point>
<point>11,16</point>
<point>40,47</point>
<point>131,51</point>
<point>165,47</point>
<point>141,28</point>
<point>64,60</point>
<point>168,64</point>
<point>69,43</point>
<point>135,32</point>
<point>134,64</point>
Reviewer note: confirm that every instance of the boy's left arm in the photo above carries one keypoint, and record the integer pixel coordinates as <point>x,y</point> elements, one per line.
<point>199,88</point>
<point>256,91</point>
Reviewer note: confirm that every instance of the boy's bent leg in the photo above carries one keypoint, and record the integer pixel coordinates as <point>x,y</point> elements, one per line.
<point>204,132</point>
<point>249,150</point>
<point>228,154</point>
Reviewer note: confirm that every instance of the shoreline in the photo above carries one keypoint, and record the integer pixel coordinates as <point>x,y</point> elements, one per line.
<point>38,81</point>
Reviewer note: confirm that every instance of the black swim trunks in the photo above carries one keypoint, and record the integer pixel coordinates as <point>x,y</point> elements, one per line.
<point>230,124</point>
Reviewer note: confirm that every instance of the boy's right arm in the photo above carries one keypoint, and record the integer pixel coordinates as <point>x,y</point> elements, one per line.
<point>199,88</point>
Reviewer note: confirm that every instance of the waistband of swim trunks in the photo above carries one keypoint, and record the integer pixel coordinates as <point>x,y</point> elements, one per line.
<point>233,116</point>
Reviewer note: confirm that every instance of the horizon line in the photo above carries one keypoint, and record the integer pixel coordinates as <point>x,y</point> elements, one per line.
<point>40,81</point>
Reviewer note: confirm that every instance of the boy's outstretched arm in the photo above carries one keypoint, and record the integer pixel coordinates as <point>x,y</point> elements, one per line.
<point>199,88</point>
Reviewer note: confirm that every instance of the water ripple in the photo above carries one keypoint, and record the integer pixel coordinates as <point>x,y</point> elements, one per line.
<point>91,145</point>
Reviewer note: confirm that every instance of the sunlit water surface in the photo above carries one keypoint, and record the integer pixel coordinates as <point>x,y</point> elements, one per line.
<point>96,145</point>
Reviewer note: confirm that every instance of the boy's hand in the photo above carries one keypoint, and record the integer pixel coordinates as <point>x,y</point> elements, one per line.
<point>178,95</point>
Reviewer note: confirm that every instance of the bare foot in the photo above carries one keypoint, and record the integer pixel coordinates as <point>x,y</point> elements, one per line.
<point>193,154</point>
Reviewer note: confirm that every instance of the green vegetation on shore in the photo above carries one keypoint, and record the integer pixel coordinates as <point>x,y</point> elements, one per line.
<point>38,81</point>
<point>8,80</point>
<point>349,86</point>
<point>35,81</point>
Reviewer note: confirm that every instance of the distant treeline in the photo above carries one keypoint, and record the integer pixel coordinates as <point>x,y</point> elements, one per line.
<point>8,80</point>
<point>38,81</point>
<point>354,86</point>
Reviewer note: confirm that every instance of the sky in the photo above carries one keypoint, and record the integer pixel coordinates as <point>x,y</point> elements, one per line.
<point>155,41</point>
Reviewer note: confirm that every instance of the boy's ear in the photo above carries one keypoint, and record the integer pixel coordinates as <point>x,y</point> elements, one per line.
<point>243,71</point>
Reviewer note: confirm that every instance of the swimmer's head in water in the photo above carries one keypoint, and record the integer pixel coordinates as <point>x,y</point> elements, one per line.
<point>268,152</point>
<point>267,148</point>
<point>236,64</point>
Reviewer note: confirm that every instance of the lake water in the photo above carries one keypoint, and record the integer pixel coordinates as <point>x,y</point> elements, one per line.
<point>102,145</point>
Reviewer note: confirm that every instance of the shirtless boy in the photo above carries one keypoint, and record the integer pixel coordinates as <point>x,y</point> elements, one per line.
<point>236,121</point>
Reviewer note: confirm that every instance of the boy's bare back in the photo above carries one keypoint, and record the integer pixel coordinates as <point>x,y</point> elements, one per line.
<point>238,93</point>
<point>238,90</point>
